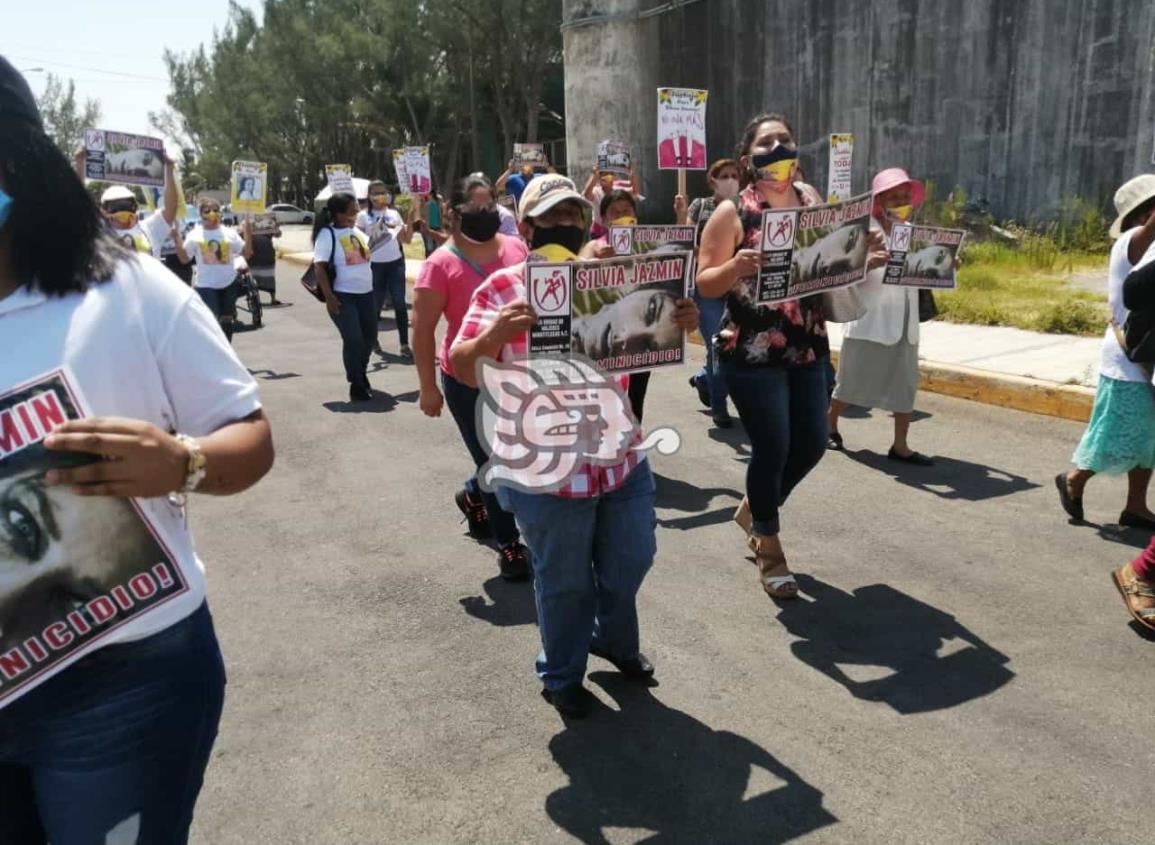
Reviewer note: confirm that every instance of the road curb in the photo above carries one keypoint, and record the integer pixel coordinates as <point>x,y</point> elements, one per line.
<point>1020,393</point>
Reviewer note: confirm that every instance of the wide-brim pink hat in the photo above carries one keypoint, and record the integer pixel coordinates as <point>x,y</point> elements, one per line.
<point>892,177</point>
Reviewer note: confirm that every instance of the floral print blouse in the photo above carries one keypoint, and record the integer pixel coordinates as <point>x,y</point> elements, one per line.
<point>769,335</point>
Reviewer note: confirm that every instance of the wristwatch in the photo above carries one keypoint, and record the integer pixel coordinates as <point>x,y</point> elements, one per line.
<point>195,472</point>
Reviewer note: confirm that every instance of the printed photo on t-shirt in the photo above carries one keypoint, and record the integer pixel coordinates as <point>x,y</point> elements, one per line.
<point>72,568</point>
<point>214,252</point>
<point>356,248</point>
<point>135,241</point>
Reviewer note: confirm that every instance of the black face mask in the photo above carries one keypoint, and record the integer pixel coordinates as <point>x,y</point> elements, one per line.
<point>570,237</point>
<point>480,226</point>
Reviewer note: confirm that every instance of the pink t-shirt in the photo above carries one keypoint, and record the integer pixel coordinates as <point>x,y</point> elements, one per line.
<point>455,280</point>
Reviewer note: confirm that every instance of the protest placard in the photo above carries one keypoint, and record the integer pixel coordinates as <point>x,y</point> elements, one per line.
<point>416,169</point>
<point>399,167</point>
<point>639,240</point>
<point>530,154</point>
<point>838,174</point>
<point>923,257</point>
<point>618,312</point>
<point>76,568</point>
<point>614,157</point>
<point>813,249</point>
<point>250,182</point>
<point>340,178</point>
<point>681,129</point>
<point>121,157</point>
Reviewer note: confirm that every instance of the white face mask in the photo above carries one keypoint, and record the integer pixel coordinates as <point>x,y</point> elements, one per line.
<point>726,188</point>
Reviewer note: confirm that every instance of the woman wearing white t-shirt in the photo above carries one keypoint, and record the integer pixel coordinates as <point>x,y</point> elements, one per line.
<point>1121,435</point>
<point>348,289</point>
<point>112,682</point>
<point>387,232</point>
<point>219,252</point>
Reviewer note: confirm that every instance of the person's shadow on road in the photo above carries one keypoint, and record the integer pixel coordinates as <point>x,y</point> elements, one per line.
<point>934,661</point>
<point>650,766</point>
<point>381,403</point>
<point>675,494</point>
<point>949,478</point>
<point>509,604</point>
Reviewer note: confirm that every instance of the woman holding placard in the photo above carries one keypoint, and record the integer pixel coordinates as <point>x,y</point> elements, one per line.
<point>773,356</point>
<point>878,364</point>
<point>219,253</point>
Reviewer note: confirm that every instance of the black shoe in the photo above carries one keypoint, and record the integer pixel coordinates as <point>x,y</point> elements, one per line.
<point>574,701</point>
<point>475,515</point>
<point>722,419</point>
<point>703,387</point>
<point>834,442</point>
<point>635,667</point>
<point>359,393</point>
<point>1130,520</point>
<point>914,458</point>
<point>513,561</point>
<point>1073,506</point>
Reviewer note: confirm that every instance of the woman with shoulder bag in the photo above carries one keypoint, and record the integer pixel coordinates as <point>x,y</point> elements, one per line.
<point>1120,437</point>
<point>878,364</point>
<point>448,279</point>
<point>348,293</point>
<point>774,357</point>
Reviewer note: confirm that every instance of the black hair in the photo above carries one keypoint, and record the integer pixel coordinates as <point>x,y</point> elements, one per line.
<point>465,186</point>
<point>748,135</point>
<point>58,240</point>
<point>338,204</point>
<point>377,183</point>
<point>1136,217</point>
<point>615,195</point>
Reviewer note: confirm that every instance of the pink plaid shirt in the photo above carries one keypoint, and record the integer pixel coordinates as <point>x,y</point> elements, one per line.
<point>501,289</point>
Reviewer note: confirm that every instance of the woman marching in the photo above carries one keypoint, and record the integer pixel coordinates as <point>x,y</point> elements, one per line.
<point>709,382</point>
<point>878,364</point>
<point>1121,435</point>
<point>341,261</point>
<point>448,279</point>
<point>387,232</point>
<point>219,252</point>
<point>107,733</point>
<point>773,357</point>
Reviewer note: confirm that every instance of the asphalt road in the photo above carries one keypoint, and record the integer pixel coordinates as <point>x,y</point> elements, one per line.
<point>961,670</point>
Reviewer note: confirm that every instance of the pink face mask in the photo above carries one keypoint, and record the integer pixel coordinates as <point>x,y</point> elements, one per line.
<point>726,188</point>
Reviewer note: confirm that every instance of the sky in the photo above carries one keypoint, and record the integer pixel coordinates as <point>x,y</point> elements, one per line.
<point>114,52</point>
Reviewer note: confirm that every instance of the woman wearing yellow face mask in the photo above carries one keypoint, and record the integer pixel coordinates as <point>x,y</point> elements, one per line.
<point>219,252</point>
<point>878,366</point>
<point>774,357</point>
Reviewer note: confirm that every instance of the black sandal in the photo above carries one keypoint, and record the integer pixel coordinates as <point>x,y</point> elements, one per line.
<point>914,458</point>
<point>1073,506</point>
<point>834,442</point>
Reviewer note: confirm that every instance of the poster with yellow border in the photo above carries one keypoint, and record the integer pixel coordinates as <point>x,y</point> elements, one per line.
<point>250,186</point>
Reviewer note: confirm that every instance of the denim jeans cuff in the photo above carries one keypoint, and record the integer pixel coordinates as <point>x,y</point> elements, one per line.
<point>764,527</point>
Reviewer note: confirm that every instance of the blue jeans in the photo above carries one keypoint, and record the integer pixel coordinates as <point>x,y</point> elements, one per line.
<point>223,303</point>
<point>389,276</point>
<point>119,741</point>
<point>357,323</point>
<point>462,402</point>
<point>589,559</point>
<point>709,321</point>
<point>783,410</point>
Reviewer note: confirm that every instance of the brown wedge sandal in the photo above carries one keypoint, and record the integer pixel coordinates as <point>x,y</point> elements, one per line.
<point>772,569</point>
<point>743,517</point>
<point>1129,585</point>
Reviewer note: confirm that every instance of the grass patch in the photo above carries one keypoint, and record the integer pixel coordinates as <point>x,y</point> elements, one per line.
<point>1001,286</point>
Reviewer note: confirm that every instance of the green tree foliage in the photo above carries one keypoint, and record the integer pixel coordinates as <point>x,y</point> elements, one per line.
<point>347,81</point>
<point>65,118</point>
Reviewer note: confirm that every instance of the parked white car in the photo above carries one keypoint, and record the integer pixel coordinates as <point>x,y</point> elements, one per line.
<point>285,213</point>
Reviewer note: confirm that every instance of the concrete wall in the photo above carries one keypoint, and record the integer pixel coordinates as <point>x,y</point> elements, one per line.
<point>1022,102</point>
